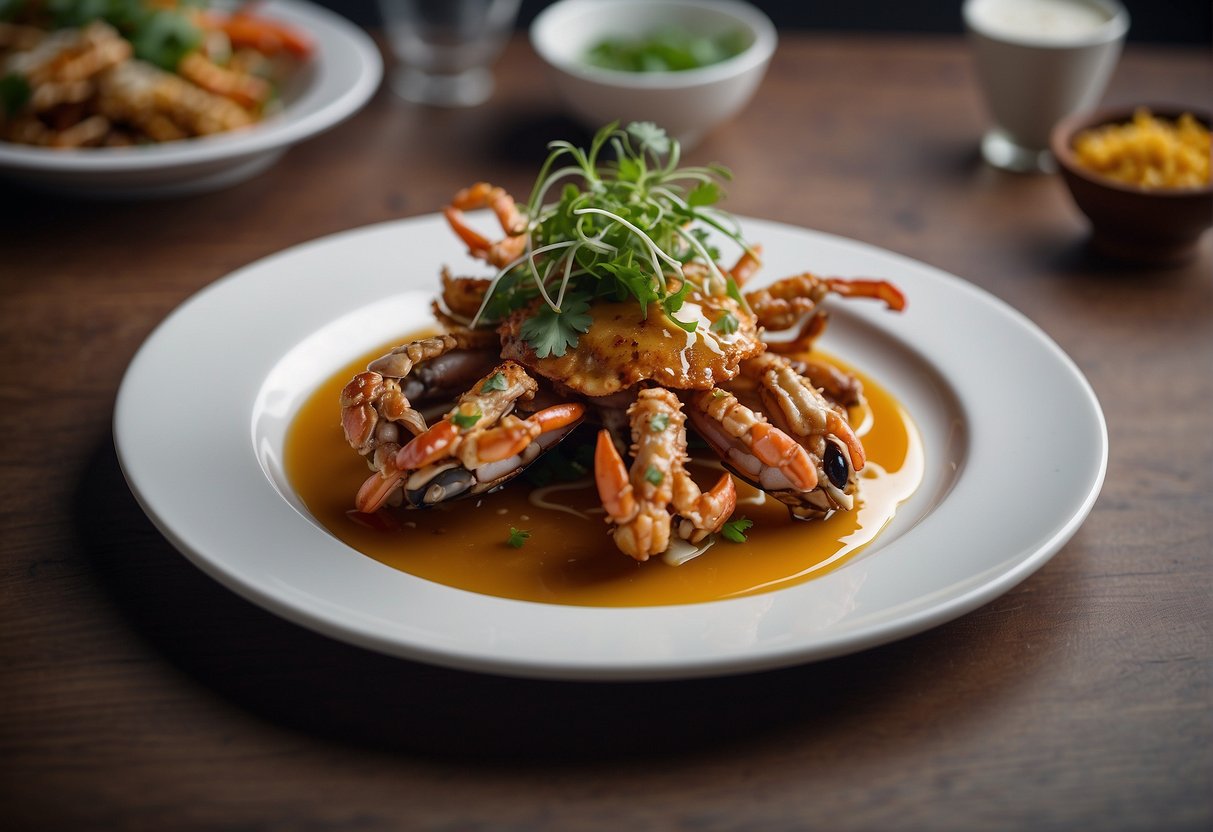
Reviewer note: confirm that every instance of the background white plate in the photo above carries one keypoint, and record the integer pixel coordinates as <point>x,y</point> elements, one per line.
<point>338,79</point>
<point>1014,439</point>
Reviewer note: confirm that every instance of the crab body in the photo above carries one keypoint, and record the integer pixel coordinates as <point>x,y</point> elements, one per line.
<point>645,371</point>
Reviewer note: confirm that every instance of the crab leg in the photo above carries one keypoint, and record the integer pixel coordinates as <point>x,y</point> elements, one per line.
<point>481,407</point>
<point>766,454</point>
<point>795,300</point>
<point>513,434</point>
<point>429,447</point>
<point>747,265</point>
<point>376,490</point>
<point>611,477</point>
<point>868,288</point>
<point>475,447</point>
<point>795,404</point>
<point>803,340</point>
<point>484,195</point>
<point>799,407</point>
<point>702,514</point>
<point>638,513</point>
<point>374,401</point>
<point>637,501</point>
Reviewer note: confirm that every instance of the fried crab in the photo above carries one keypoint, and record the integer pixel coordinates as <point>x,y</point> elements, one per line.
<point>609,305</point>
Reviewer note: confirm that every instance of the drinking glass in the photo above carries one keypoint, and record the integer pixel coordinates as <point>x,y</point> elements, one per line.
<point>445,48</point>
<point>1039,61</point>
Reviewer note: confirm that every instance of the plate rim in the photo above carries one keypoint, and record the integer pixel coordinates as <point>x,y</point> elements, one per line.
<point>846,640</point>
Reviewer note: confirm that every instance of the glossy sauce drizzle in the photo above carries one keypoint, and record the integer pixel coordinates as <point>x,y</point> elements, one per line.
<point>568,558</point>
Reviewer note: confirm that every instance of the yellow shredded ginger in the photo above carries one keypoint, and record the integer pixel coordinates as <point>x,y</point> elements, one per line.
<point>1149,152</point>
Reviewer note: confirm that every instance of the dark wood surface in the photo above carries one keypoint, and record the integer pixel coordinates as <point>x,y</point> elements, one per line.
<point>137,693</point>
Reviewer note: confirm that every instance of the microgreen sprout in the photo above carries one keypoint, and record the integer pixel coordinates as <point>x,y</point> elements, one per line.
<point>613,229</point>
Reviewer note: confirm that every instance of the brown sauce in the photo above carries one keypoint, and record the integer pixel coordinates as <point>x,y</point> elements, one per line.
<point>569,558</point>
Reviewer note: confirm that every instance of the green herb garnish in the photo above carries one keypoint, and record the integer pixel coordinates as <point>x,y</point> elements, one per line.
<point>552,331</point>
<point>160,36</point>
<point>726,324</point>
<point>517,538</point>
<point>616,221</point>
<point>494,382</point>
<point>465,419</point>
<point>659,422</point>
<point>15,93</point>
<point>667,49</point>
<point>165,37</point>
<point>733,531</point>
<point>653,475</point>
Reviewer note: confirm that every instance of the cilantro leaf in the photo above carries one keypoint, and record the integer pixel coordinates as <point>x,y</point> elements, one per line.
<point>673,303</point>
<point>494,382</point>
<point>517,538</point>
<point>633,281</point>
<point>733,531</point>
<point>465,419</point>
<point>552,333</point>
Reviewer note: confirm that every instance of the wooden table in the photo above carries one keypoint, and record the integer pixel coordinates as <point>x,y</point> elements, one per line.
<point>137,693</point>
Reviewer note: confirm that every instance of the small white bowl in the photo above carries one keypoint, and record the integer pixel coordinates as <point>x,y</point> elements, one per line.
<point>686,103</point>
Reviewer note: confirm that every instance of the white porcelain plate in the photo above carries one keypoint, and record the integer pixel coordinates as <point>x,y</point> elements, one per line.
<point>204,408</point>
<point>337,80</point>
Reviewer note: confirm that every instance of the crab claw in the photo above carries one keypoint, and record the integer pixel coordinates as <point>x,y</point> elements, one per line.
<point>505,441</point>
<point>428,447</point>
<point>893,297</point>
<point>611,477</point>
<point>775,448</point>
<point>484,195</point>
<point>768,456</point>
<point>703,513</point>
<point>376,490</point>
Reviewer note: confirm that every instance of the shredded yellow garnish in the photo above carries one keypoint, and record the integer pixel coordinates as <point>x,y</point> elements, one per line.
<point>1149,152</point>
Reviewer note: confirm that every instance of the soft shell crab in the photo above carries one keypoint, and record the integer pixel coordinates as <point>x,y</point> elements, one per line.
<point>639,370</point>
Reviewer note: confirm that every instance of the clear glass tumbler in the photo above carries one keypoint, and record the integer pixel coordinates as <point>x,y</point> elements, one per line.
<point>446,48</point>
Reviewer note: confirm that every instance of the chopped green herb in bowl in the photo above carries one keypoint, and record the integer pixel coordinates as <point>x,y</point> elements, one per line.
<point>668,49</point>
<point>688,65</point>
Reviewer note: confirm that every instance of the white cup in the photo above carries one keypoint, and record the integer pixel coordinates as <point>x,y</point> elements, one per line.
<point>1038,61</point>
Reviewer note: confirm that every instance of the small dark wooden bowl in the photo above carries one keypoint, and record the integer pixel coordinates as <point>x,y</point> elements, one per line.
<point>1155,226</point>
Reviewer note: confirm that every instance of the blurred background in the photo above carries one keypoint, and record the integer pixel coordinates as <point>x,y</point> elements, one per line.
<point>1154,21</point>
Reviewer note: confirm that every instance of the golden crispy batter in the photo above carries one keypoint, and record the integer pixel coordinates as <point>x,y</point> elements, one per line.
<point>622,349</point>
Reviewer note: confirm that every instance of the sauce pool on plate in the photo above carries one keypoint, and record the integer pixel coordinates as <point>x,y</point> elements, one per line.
<point>568,557</point>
